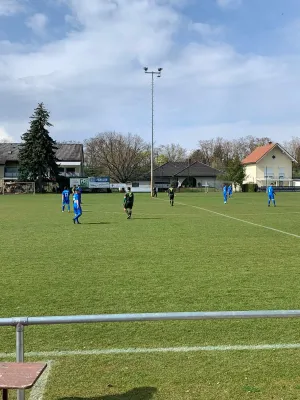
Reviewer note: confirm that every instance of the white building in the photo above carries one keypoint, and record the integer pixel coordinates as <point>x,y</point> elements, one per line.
<point>269,163</point>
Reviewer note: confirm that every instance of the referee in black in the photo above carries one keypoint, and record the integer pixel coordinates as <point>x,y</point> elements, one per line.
<point>171,193</point>
<point>128,202</point>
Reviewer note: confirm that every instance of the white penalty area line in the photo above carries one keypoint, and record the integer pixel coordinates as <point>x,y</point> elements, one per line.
<point>239,220</point>
<point>38,391</point>
<point>185,349</point>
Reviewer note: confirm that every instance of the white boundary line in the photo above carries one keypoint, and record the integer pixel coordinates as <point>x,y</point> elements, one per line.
<point>198,215</point>
<point>154,214</point>
<point>272,214</point>
<point>184,349</point>
<point>39,388</point>
<point>239,220</point>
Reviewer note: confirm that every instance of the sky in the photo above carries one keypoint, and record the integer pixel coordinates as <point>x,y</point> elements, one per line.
<point>230,68</point>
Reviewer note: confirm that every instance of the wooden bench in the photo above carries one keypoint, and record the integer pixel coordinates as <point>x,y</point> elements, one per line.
<point>15,375</point>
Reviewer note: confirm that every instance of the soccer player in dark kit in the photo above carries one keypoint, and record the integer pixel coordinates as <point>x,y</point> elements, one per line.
<point>171,193</point>
<point>128,202</point>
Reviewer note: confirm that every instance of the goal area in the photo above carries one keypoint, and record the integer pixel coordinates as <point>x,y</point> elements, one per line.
<point>17,187</point>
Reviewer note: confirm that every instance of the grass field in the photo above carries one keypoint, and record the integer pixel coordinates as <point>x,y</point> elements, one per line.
<point>181,258</point>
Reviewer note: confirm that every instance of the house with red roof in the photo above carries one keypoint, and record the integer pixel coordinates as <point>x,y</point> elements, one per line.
<point>269,163</point>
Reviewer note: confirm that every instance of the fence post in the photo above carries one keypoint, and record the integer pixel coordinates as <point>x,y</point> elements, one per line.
<point>20,353</point>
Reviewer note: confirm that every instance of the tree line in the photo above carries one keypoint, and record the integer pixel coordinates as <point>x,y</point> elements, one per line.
<point>126,157</point>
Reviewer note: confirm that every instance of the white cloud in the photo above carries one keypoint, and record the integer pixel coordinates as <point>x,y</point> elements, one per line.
<point>207,30</point>
<point>10,7</point>
<point>37,23</point>
<point>4,136</point>
<point>92,80</point>
<point>229,3</point>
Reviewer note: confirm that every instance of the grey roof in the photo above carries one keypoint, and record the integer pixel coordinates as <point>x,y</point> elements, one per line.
<point>170,169</point>
<point>9,152</point>
<point>199,169</point>
<point>181,169</point>
<point>65,152</point>
<point>69,152</point>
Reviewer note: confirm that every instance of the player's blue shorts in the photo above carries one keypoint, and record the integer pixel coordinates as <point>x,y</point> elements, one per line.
<point>66,202</point>
<point>271,197</point>
<point>77,211</point>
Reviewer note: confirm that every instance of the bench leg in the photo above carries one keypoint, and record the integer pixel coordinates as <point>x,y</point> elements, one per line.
<point>5,394</point>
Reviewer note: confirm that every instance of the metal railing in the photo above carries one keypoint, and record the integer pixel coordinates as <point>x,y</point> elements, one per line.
<point>70,174</point>
<point>20,322</point>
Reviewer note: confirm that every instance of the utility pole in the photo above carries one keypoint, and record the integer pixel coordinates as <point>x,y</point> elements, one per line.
<point>158,74</point>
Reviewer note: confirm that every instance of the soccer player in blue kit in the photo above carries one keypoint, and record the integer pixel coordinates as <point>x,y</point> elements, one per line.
<point>225,193</point>
<point>65,199</point>
<point>271,195</point>
<point>79,194</point>
<point>76,207</point>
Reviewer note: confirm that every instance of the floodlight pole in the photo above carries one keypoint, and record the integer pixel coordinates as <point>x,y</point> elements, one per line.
<point>158,74</point>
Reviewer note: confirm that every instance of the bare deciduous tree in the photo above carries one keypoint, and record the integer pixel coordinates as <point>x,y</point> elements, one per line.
<point>293,147</point>
<point>205,152</point>
<point>122,157</point>
<point>172,153</point>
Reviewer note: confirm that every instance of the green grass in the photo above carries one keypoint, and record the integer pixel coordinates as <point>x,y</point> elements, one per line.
<point>179,258</point>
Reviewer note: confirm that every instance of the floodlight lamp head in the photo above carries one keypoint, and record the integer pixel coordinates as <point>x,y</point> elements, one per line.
<point>159,69</point>
<point>145,69</point>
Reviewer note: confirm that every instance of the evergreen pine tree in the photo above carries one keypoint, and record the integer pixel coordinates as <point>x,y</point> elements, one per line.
<point>37,152</point>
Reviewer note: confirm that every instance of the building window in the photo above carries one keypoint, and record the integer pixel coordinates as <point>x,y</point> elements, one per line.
<point>61,170</point>
<point>281,173</point>
<point>11,172</point>
<point>269,172</point>
<point>135,184</point>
